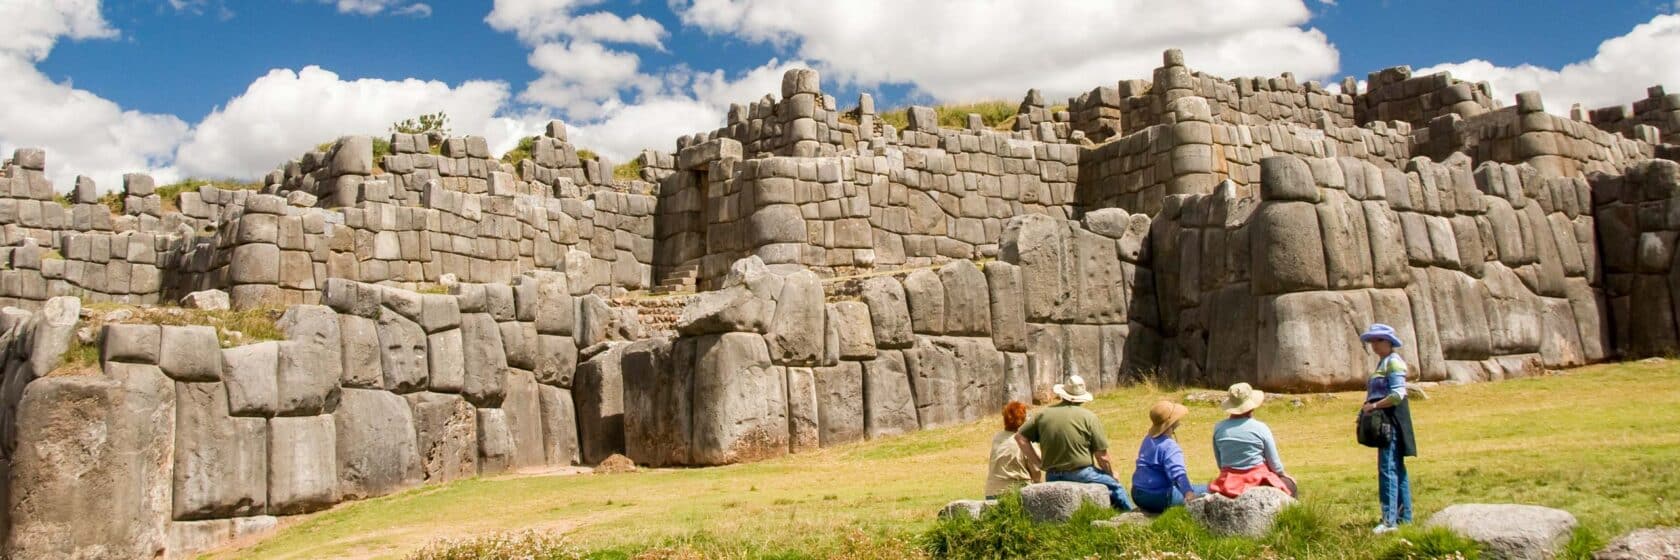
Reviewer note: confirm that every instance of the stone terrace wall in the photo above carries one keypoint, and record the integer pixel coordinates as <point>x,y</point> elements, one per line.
<point>184,444</point>
<point>1525,133</point>
<point>1486,274</point>
<point>1393,94</point>
<point>1659,110</point>
<point>1638,217</point>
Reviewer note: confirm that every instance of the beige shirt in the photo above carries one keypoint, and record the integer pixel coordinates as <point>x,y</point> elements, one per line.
<point>1008,468</point>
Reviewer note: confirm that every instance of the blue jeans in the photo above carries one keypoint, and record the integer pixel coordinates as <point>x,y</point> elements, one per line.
<point>1090,475</point>
<point>1153,502</point>
<point>1394,490</point>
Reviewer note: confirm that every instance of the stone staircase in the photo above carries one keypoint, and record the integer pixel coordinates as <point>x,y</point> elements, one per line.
<point>682,279</point>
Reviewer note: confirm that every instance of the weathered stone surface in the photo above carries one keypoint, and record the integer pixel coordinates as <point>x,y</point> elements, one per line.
<point>130,343</point>
<point>598,393</point>
<point>1045,365</point>
<point>1249,515</point>
<point>302,464</point>
<point>361,352</point>
<point>221,462</point>
<point>1056,502</point>
<point>657,383</point>
<point>840,403</point>
<point>91,473</point>
<point>484,365</point>
<point>889,315</point>
<point>1003,293</point>
<point>311,360</point>
<point>1509,531</point>
<point>190,353</point>
<point>556,360</point>
<point>797,329</point>
<point>954,379</point>
<point>445,435</point>
<point>525,420</point>
<point>1040,246</point>
<point>249,374</point>
<point>374,435</point>
<point>1643,544</point>
<point>740,408</point>
<point>519,343</point>
<point>1288,251</point>
<point>889,406</point>
<point>209,300</point>
<point>444,361</point>
<point>925,299</point>
<point>1304,342</point>
<point>399,352</point>
<point>967,301</point>
<point>854,334</point>
<point>1287,178</point>
<point>560,439</point>
<point>495,441</point>
<point>971,509</point>
<point>804,416</point>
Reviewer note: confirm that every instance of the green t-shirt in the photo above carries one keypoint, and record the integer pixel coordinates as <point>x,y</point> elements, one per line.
<point>1067,435</point>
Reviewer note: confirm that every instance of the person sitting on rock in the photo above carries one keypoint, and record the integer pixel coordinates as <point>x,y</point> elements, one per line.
<point>1244,447</point>
<point>1075,448</point>
<point>1385,394</point>
<point>1161,480</point>
<point>1008,469</point>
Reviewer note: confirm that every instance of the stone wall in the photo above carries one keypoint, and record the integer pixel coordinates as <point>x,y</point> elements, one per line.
<point>1638,226</point>
<point>1487,274</point>
<point>1526,133</point>
<point>1393,94</point>
<point>1658,110</point>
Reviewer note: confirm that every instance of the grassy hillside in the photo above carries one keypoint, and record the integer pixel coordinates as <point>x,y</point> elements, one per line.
<point>1600,442</point>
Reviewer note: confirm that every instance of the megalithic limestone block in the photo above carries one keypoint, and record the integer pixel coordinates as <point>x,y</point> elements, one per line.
<point>740,408</point>
<point>598,393</point>
<point>374,436</point>
<point>445,434</point>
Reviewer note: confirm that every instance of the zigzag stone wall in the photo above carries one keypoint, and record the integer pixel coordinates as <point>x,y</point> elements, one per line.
<point>1221,231</point>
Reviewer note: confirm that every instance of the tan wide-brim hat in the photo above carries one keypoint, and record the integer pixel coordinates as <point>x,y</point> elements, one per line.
<point>1165,415</point>
<point>1242,399</point>
<point>1073,391</point>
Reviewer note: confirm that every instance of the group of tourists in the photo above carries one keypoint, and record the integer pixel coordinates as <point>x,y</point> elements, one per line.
<point>1066,442</point>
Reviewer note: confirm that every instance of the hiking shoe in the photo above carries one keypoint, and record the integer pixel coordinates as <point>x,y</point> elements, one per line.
<point>1384,529</point>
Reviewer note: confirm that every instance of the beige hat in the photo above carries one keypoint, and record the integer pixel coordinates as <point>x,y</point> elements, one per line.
<point>1165,414</point>
<point>1073,391</point>
<point>1242,399</point>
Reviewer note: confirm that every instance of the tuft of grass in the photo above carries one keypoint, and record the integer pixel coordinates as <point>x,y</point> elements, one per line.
<point>586,155</point>
<point>526,545</point>
<point>171,193</point>
<point>631,170</point>
<point>521,152</point>
<point>1583,543</point>
<point>1435,543</point>
<point>995,114</point>
<point>114,201</point>
<point>63,199</point>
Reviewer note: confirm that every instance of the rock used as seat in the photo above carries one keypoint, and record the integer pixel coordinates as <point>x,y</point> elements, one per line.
<point>1662,543</point>
<point>1056,501</point>
<point>971,509</point>
<point>1249,515</point>
<point>1509,531</point>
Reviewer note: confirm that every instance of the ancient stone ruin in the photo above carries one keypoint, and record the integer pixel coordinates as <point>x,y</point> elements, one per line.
<point>805,276</point>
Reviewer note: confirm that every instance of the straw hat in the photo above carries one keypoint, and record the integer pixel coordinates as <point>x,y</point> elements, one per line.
<point>1241,398</point>
<point>1073,391</point>
<point>1379,331</point>
<point>1165,415</point>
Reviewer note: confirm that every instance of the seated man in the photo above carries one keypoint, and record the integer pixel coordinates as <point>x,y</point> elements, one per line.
<point>1244,447</point>
<point>1075,449</point>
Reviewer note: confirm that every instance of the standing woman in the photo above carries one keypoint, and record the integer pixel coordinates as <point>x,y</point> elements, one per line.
<point>1385,395</point>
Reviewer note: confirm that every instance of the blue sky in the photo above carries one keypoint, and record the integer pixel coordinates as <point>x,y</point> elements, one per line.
<point>234,87</point>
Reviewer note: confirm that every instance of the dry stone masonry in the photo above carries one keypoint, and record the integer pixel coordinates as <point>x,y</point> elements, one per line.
<point>805,276</point>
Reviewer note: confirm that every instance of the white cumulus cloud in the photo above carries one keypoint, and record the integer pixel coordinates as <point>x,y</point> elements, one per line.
<point>697,103</point>
<point>1617,73</point>
<point>539,21</point>
<point>963,50</point>
<point>375,7</point>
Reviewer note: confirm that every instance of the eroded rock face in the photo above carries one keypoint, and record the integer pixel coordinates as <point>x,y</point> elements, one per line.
<point>221,462</point>
<point>446,435</point>
<point>1643,544</point>
<point>1056,502</point>
<point>1509,531</point>
<point>740,410</point>
<point>375,442</point>
<point>1249,515</point>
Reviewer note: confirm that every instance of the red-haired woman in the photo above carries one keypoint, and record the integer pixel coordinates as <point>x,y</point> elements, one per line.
<point>1008,470</point>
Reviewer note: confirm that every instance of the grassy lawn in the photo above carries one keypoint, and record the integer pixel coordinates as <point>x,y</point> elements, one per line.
<point>1600,442</point>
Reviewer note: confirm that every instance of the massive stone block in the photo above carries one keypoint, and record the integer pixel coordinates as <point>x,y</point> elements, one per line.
<point>302,464</point>
<point>445,435</point>
<point>840,403</point>
<point>889,314</point>
<point>484,365</point>
<point>889,404</point>
<point>91,474</point>
<point>1039,245</point>
<point>310,360</point>
<point>190,353</point>
<point>445,361</point>
<point>804,416</point>
<point>221,462</point>
<point>1288,249</point>
<point>1009,323</point>
<point>556,360</point>
<point>560,438</point>
<point>1308,341</point>
<point>525,420</point>
<point>401,353</point>
<point>955,379</point>
<point>250,377</point>
<point>657,415</point>
<point>740,408</point>
<point>925,299</point>
<point>361,352</point>
<point>967,301</point>
<point>375,444</point>
<point>854,335</point>
<point>495,441</point>
<point>598,393</point>
<point>797,329</point>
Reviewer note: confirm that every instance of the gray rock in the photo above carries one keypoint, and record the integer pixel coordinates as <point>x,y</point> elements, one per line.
<point>311,360</point>
<point>803,415</point>
<point>856,337</point>
<point>889,314</point>
<point>1009,322</point>
<point>439,312</point>
<point>556,309</point>
<point>967,308</point>
<point>209,300</point>
<point>190,353</point>
<point>598,393</point>
<point>1056,502</point>
<point>400,353</point>
<point>1661,543</point>
<point>353,156</point>
<point>560,439</point>
<point>797,328</point>
<point>250,376</point>
<point>1509,531</point>
<point>361,352</point>
<point>954,379</point>
<point>302,464</point>
<point>739,400</point>
<point>840,403</point>
<point>495,441</point>
<point>130,343</point>
<point>445,435</point>
<point>1249,515</point>
<point>1304,344</point>
<point>112,432</point>
<point>657,383</point>
<point>525,420</point>
<point>1288,249</point>
<point>922,119</point>
<point>889,406</point>
<point>519,344</point>
<point>925,296</point>
<point>1041,247</point>
<point>375,444</point>
<point>556,360</point>
<point>484,365</point>
<point>971,509</point>
<point>221,462</point>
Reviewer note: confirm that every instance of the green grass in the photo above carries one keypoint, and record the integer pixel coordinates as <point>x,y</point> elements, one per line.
<point>586,155</point>
<point>171,193</point>
<point>254,325</point>
<point>630,170</point>
<point>520,152</point>
<point>1598,442</point>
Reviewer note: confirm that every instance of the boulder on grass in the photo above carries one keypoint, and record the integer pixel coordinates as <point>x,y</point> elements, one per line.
<point>1249,515</point>
<point>1509,531</point>
<point>1056,501</point>
<point>971,509</point>
<point>1643,544</point>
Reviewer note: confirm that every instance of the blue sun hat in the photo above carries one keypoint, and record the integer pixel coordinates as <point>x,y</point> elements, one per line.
<point>1379,331</point>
